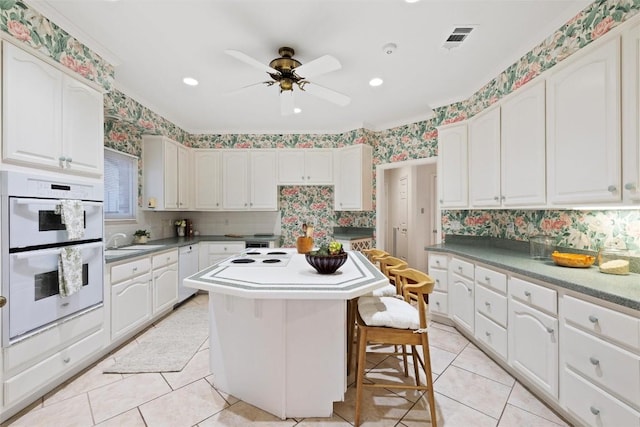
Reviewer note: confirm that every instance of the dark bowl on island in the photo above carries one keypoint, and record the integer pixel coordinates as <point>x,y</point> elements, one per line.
<point>326,264</point>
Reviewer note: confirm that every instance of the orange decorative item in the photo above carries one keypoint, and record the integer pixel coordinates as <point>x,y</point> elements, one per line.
<point>572,260</point>
<point>304,244</point>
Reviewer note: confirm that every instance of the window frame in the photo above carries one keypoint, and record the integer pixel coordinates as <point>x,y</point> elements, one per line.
<point>131,216</point>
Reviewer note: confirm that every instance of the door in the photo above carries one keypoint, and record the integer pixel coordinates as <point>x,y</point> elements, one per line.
<point>401,240</point>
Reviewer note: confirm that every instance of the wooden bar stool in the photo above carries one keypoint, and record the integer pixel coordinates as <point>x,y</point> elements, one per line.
<point>390,320</point>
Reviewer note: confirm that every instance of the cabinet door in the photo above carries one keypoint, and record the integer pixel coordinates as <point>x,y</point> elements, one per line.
<point>318,167</point>
<point>31,109</point>
<point>207,179</point>
<point>165,287</point>
<point>522,148</point>
<point>82,127</point>
<point>184,177</point>
<point>533,346</point>
<point>235,185</point>
<point>583,128</point>
<point>170,175</point>
<point>130,305</point>
<point>263,181</point>
<point>291,167</point>
<point>452,167</point>
<point>461,302</point>
<point>484,159</point>
<point>631,118</point>
<point>353,188</point>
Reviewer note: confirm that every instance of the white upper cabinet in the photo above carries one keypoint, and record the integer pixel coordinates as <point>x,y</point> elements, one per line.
<point>354,178</point>
<point>207,180</point>
<point>305,166</point>
<point>484,159</point>
<point>631,116</point>
<point>452,166</point>
<point>49,119</point>
<point>249,180</point>
<point>583,127</point>
<point>522,152</point>
<point>167,173</point>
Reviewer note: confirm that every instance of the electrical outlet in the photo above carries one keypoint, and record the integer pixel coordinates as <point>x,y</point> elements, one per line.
<point>510,228</point>
<point>226,221</point>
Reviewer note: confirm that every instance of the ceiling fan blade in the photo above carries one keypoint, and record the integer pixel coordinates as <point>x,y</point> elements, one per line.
<point>327,94</point>
<point>286,102</point>
<point>246,88</point>
<point>324,64</point>
<point>249,60</point>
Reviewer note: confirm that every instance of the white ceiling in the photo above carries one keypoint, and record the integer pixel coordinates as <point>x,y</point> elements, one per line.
<point>153,44</point>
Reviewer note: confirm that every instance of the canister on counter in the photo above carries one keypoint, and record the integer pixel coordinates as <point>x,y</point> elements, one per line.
<point>613,260</point>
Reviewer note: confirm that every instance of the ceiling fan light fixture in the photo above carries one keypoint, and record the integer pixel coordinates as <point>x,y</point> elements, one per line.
<point>297,110</point>
<point>375,82</point>
<point>190,81</point>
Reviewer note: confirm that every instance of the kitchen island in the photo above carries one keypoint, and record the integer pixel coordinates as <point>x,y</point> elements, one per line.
<point>278,332</point>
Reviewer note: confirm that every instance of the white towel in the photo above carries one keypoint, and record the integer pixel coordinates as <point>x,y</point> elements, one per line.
<point>73,218</point>
<point>69,271</point>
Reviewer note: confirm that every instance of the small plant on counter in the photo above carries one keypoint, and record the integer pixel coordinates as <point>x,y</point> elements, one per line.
<point>180,223</point>
<point>333,248</point>
<point>141,233</point>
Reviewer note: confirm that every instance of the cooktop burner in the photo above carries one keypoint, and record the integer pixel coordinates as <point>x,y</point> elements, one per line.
<point>243,261</point>
<point>253,253</point>
<point>271,261</point>
<point>276,253</point>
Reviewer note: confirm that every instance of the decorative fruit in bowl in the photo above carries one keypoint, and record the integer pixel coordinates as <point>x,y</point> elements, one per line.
<point>328,259</point>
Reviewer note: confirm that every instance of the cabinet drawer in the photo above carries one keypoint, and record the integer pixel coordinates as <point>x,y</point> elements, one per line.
<point>438,261</point>
<point>593,406</point>
<point>438,302</point>
<point>491,279</point>
<point>491,304</point>
<point>37,376</point>
<point>612,367</point>
<point>41,345</point>
<point>440,277</point>
<point>130,269</point>
<point>462,268</point>
<point>492,335</point>
<point>602,321</point>
<point>225,247</point>
<point>164,258</point>
<point>534,295</point>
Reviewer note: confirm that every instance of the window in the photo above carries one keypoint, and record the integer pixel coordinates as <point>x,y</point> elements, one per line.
<point>120,185</point>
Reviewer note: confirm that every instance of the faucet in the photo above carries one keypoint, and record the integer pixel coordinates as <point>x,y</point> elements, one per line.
<point>114,238</point>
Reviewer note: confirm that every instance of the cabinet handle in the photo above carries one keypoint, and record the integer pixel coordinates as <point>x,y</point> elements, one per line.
<point>487,303</point>
<point>438,303</point>
<point>611,189</point>
<point>496,198</point>
<point>440,201</point>
<point>593,319</point>
<point>64,304</point>
<point>134,269</point>
<point>594,361</point>
<point>66,360</point>
<point>527,293</point>
<point>630,186</point>
<point>438,281</point>
<point>594,410</point>
<point>303,177</point>
<point>468,289</point>
<point>308,177</point>
<point>487,333</point>
<point>460,268</point>
<point>437,262</point>
<point>550,330</point>
<point>487,279</point>
<point>502,198</point>
<point>3,301</point>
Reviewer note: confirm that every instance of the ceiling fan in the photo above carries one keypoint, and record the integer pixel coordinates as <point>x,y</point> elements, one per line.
<point>288,72</point>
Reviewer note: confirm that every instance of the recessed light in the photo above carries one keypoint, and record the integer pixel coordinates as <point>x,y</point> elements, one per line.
<point>297,110</point>
<point>376,81</point>
<point>190,81</point>
<point>412,1</point>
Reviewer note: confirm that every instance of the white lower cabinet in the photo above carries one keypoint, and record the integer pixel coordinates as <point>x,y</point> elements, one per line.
<point>438,300</point>
<point>213,252</point>
<point>533,335</point>
<point>130,305</point>
<point>491,310</point>
<point>461,295</point>
<point>600,370</point>
<point>165,279</point>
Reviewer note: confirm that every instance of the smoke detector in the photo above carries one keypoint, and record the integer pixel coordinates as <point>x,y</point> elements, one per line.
<point>389,48</point>
<point>457,36</point>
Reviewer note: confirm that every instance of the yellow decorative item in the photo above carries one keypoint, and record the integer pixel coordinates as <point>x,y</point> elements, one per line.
<point>572,260</point>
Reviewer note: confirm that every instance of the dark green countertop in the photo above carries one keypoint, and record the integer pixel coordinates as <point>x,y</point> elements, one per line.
<point>176,242</point>
<point>514,257</point>
<point>352,233</point>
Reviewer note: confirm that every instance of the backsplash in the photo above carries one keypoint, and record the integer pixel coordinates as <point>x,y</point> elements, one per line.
<point>587,230</point>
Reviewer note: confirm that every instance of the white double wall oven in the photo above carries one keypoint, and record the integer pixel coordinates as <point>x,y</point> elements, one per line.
<point>33,235</point>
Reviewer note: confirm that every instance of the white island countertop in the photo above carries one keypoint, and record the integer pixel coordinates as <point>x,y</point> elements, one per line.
<point>293,278</point>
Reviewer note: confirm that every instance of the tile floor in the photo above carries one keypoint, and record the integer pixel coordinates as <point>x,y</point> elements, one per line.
<point>470,390</point>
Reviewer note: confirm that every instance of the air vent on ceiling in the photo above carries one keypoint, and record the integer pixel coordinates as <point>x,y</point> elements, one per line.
<point>457,36</point>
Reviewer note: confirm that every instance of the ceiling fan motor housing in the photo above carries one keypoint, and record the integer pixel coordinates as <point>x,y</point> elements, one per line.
<point>285,65</point>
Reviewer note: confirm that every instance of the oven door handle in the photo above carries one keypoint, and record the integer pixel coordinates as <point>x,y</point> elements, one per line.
<point>55,251</point>
<point>49,201</point>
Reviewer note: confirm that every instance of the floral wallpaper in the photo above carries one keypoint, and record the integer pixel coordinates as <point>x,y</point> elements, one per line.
<point>127,120</point>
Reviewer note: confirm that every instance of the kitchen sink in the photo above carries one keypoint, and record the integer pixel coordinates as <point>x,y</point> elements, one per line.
<point>118,252</point>
<point>142,247</point>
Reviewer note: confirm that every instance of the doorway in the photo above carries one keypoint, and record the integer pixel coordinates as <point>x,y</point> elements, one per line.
<point>407,214</point>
